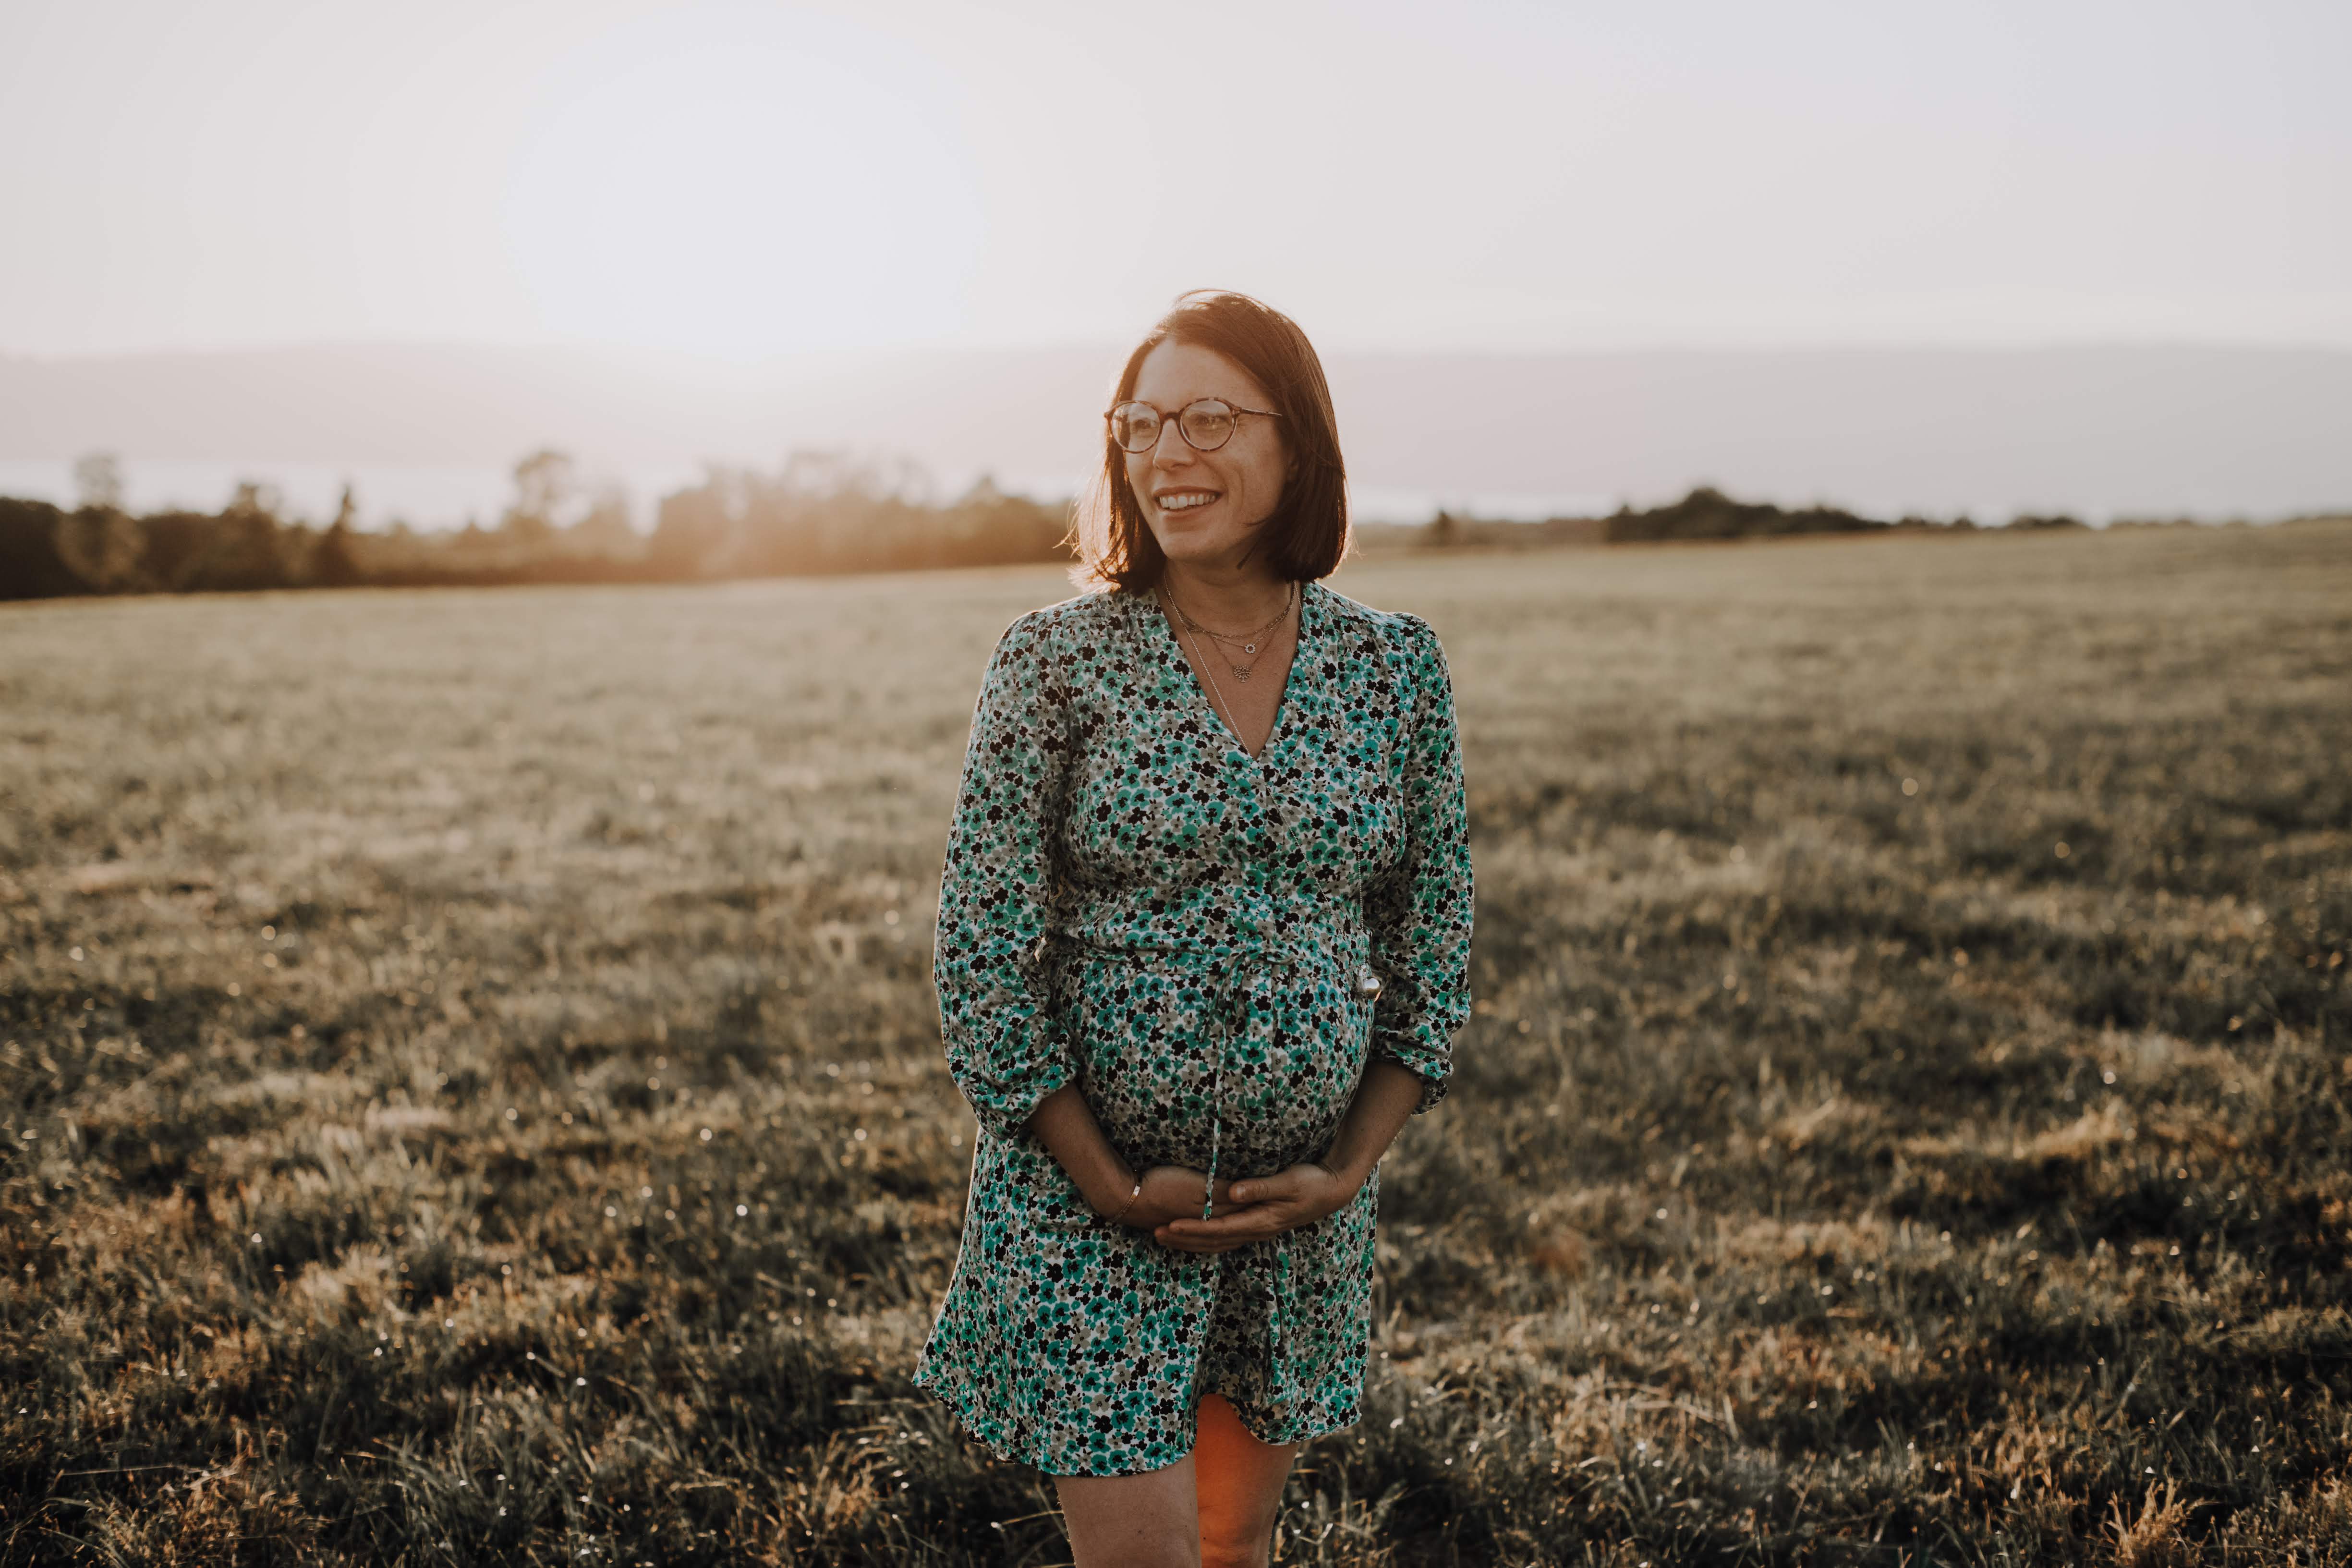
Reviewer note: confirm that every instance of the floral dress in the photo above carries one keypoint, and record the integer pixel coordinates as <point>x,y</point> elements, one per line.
<point>1212,945</point>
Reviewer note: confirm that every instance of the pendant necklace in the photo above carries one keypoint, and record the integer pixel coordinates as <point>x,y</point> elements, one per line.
<point>1219,706</point>
<point>1216,693</point>
<point>1247,641</point>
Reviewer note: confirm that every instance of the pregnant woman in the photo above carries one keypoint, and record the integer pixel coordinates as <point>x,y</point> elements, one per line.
<point>1203,943</point>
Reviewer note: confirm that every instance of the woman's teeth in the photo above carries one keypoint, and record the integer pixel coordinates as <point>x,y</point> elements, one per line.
<point>1185,501</point>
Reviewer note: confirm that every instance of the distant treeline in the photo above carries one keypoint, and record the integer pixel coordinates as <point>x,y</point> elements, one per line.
<point>821,513</point>
<point>1705,514</point>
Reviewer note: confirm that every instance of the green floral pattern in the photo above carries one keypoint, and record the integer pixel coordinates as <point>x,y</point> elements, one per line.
<point>1212,945</point>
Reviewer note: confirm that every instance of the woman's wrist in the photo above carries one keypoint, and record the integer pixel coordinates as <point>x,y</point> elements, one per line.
<point>1066,1125</point>
<point>1384,1099</point>
<point>1347,1175</point>
<point>1119,1191</point>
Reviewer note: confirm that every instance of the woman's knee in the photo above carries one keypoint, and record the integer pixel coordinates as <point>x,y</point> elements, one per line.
<point>1240,1482</point>
<point>1255,1553</point>
<point>1238,1532</point>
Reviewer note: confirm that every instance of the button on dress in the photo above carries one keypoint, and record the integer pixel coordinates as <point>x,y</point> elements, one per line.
<point>1213,946</point>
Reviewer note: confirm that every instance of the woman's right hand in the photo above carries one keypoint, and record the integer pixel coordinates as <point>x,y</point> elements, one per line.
<point>1171,1192</point>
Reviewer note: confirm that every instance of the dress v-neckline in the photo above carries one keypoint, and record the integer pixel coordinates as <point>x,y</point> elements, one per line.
<point>1173,651</point>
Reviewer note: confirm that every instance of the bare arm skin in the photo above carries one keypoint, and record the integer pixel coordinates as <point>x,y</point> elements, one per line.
<point>1269,1205</point>
<point>1383,1100</point>
<point>1066,1124</point>
<point>1170,1204</point>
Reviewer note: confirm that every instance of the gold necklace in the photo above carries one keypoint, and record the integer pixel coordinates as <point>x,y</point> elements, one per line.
<point>1216,693</point>
<point>1247,641</point>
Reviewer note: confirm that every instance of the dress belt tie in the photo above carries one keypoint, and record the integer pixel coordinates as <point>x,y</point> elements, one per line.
<point>1248,970</point>
<point>1241,981</point>
<point>1236,1015</point>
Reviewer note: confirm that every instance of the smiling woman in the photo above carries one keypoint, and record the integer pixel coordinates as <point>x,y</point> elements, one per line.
<point>1203,948</point>
<point>742,184</point>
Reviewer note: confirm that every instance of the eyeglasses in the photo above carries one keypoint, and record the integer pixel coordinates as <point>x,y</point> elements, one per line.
<point>1206,423</point>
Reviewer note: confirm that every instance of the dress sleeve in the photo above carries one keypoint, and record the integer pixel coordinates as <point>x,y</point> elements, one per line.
<point>1419,912</point>
<point>1006,1047</point>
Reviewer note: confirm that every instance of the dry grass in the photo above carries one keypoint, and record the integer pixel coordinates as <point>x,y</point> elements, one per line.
<point>470,1089</point>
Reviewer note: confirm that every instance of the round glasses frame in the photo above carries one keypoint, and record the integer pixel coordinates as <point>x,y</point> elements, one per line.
<point>1208,408</point>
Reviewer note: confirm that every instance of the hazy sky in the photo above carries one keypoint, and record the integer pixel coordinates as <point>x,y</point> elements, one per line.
<point>750,179</point>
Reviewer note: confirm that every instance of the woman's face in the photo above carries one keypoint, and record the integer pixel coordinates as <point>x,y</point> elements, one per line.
<point>1204,506</point>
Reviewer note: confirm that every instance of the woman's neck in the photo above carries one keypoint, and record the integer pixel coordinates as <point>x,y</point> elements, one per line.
<point>1227,598</point>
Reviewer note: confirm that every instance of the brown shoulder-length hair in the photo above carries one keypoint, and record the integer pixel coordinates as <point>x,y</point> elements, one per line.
<point>1307,533</point>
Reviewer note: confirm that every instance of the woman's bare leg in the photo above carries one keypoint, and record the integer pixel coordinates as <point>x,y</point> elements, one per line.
<point>1151,1520</point>
<point>1238,1481</point>
<point>1215,1508</point>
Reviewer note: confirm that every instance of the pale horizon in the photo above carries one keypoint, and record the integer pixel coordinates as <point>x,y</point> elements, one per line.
<point>431,434</point>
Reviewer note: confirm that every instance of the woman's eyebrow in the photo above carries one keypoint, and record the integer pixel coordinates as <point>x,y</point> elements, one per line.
<point>1236,398</point>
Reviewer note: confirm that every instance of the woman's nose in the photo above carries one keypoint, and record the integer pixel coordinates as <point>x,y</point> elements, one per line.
<point>1172,450</point>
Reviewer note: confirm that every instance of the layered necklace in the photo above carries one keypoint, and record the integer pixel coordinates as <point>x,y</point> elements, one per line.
<point>1248,642</point>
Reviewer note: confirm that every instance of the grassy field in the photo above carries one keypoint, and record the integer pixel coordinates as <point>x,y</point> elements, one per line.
<point>471,1093</point>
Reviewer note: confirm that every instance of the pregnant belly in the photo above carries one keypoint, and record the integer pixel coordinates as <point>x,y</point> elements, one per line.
<point>1256,1060</point>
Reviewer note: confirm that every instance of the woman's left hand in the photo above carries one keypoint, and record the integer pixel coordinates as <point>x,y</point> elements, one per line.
<point>1261,1207</point>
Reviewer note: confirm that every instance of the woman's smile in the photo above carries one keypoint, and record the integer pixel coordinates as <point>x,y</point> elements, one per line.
<point>1182,500</point>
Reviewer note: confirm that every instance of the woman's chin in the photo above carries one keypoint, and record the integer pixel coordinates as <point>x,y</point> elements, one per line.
<point>1201,547</point>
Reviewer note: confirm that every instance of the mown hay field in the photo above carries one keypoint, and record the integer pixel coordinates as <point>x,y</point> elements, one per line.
<point>471,1090</point>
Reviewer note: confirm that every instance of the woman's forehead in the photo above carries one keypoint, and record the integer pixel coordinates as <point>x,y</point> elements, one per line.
<point>1174,373</point>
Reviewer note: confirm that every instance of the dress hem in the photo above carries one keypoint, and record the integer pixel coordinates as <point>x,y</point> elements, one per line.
<point>990,1432</point>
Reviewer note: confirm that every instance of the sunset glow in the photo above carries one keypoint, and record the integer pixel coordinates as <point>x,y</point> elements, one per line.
<point>738,184</point>
<point>737,179</point>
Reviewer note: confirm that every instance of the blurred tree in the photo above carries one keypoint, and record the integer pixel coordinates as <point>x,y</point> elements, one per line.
<point>605,530</point>
<point>332,565</point>
<point>543,482</point>
<point>177,541</point>
<point>835,511</point>
<point>104,548</point>
<point>29,565</point>
<point>696,528</point>
<point>97,542</point>
<point>244,550</point>
<point>1708,513</point>
<point>98,477</point>
<point>256,497</point>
